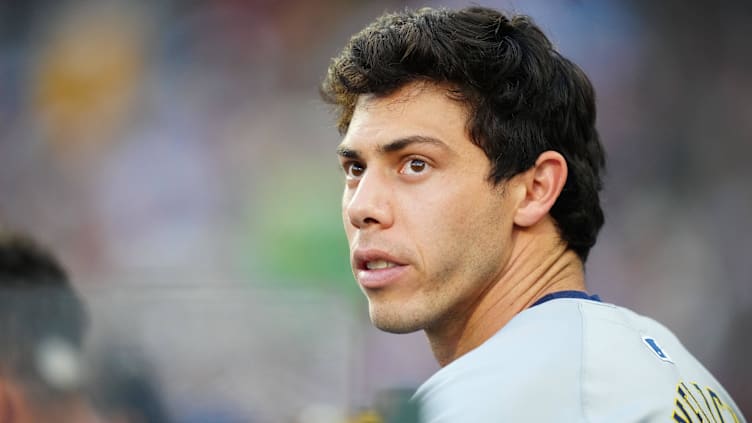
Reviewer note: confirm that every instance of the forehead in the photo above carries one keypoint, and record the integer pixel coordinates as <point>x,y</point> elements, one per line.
<point>421,109</point>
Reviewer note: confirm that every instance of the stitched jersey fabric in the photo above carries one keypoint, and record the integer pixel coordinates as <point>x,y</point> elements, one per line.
<point>576,360</point>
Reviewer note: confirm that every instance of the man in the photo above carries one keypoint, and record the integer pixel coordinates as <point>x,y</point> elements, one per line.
<point>472,171</point>
<point>42,325</point>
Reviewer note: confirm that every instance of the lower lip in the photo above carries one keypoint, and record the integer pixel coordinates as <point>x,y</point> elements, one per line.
<point>379,278</point>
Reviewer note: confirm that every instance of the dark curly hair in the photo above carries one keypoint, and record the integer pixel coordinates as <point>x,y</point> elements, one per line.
<point>524,98</point>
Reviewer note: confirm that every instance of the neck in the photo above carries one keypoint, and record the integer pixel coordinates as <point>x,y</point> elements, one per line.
<point>539,265</point>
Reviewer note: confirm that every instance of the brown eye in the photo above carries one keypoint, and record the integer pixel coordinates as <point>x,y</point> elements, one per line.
<point>354,170</point>
<point>417,166</point>
<point>414,167</point>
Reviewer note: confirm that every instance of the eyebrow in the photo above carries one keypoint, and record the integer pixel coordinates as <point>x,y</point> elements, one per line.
<point>394,146</point>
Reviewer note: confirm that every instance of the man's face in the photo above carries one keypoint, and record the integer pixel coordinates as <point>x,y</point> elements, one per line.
<point>428,232</point>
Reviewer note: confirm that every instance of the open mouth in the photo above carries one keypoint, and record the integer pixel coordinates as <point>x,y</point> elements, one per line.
<point>379,264</point>
<point>377,269</point>
<point>374,260</point>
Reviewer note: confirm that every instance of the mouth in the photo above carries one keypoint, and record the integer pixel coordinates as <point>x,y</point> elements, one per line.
<point>377,269</point>
<point>380,264</point>
<point>371,259</point>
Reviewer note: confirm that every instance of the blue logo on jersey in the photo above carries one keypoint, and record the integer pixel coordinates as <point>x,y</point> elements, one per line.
<point>653,345</point>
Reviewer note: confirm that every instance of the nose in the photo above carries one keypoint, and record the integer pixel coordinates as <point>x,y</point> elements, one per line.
<point>369,204</point>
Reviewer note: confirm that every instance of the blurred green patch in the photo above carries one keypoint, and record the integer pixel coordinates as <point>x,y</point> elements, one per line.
<point>297,229</point>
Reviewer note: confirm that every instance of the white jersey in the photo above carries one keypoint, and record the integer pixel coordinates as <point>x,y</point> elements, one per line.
<point>577,360</point>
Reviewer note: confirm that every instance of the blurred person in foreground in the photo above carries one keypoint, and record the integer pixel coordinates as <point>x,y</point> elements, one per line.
<point>472,175</point>
<point>42,328</point>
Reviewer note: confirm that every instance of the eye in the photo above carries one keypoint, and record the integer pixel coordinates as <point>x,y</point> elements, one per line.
<point>353,170</point>
<point>414,167</point>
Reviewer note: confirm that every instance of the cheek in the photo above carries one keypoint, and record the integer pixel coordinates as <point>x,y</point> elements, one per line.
<point>349,229</point>
<point>345,218</point>
<point>475,223</point>
<point>345,202</point>
<point>450,221</point>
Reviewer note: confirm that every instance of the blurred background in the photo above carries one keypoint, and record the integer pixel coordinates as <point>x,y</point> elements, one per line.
<point>177,158</point>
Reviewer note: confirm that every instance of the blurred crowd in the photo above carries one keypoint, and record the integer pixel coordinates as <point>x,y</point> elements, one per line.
<point>177,158</point>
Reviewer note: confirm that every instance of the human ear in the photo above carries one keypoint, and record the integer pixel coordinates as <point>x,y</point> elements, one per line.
<point>542,184</point>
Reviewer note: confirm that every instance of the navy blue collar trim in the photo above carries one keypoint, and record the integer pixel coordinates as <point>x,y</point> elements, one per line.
<point>566,294</point>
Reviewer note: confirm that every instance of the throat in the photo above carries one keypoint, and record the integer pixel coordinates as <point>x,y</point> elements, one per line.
<point>519,287</point>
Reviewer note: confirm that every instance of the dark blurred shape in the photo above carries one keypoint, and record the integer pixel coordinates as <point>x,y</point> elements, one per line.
<point>125,387</point>
<point>394,406</point>
<point>42,326</point>
<point>214,416</point>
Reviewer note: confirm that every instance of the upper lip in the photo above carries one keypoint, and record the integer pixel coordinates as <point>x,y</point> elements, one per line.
<point>363,256</point>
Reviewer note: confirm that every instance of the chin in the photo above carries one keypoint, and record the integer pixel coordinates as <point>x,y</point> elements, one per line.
<point>395,319</point>
<point>396,327</point>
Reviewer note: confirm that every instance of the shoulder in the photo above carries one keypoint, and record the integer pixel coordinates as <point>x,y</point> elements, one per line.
<point>637,370</point>
<point>508,378</point>
<point>571,360</point>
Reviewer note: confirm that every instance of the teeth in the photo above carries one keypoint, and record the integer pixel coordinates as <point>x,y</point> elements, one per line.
<point>379,264</point>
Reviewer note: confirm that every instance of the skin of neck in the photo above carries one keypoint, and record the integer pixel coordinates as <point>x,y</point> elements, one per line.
<point>540,263</point>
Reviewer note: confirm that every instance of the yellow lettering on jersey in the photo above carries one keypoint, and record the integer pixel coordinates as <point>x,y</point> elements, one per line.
<point>699,405</point>
<point>680,408</point>
<point>712,409</point>
<point>693,406</point>
<point>708,408</point>
<point>722,406</point>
